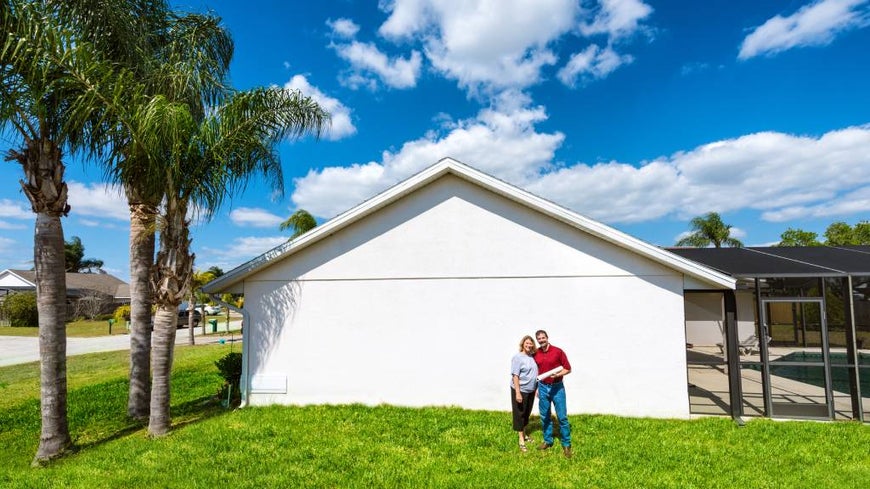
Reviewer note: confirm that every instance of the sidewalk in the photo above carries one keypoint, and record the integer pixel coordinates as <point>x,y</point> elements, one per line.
<point>17,349</point>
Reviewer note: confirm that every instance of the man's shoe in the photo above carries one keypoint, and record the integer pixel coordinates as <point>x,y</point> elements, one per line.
<point>567,452</point>
<point>545,446</point>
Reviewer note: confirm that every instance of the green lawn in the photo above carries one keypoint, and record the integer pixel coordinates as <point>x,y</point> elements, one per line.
<point>357,446</point>
<point>89,329</point>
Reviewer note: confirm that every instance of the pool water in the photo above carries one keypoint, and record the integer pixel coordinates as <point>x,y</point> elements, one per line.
<point>815,375</point>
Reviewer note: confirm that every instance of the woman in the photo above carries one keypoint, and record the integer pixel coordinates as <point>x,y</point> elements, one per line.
<point>524,383</point>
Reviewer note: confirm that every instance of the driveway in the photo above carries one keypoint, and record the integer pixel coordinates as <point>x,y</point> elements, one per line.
<point>18,349</point>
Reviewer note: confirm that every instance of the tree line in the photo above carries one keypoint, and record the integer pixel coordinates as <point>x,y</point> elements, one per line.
<point>710,230</point>
<point>143,91</point>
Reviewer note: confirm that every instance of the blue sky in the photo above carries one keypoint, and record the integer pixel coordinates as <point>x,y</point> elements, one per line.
<point>641,114</point>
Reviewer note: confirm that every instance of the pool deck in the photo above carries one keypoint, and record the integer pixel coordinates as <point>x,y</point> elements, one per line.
<point>708,390</point>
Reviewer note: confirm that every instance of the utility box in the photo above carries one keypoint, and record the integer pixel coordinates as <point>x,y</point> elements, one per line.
<point>213,323</point>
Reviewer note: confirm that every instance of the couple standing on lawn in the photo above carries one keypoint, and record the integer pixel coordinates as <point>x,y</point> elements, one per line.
<point>525,381</point>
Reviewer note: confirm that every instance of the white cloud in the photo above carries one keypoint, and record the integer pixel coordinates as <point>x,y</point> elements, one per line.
<point>254,217</point>
<point>815,24</point>
<point>341,125</point>
<point>855,202</point>
<point>6,244</point>
<point>501,140</point>
<point>11,226</point>
<point>722,176</point>
<point>484,44</point>
<point>617,18</point>
<point>10,209</point>
<point>366,59</point>
<point>97,200</point>
<point>785,176</point>
<point>244,248</point>
<point>343,27</point>
<point>593,63</point>
<point>488,46</point>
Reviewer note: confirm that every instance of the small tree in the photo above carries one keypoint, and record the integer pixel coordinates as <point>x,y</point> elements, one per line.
<point>91,305</point>
<point>230,368</point>
<point>841,234</point>
<point>798,237</point>
<point>20,309</point>
<point>300,222</point>
<point>74,256</point>
<point>709,230</point>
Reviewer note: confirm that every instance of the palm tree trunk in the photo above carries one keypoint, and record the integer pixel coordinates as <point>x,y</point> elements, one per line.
<point>162,353</point>
<point>170,286</point>
<point>142,237</point>
<point>51,304</point>
<point>47,193</point>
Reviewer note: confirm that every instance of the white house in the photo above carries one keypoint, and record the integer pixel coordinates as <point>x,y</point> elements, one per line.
<point>420,296</point>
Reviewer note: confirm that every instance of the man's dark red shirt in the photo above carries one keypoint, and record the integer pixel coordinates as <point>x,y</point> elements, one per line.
<point>550,359</point>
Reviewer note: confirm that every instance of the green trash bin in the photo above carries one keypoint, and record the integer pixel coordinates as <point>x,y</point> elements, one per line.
<point>213,323</point>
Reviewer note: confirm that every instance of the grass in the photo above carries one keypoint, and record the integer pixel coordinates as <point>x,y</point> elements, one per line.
<point>89,329</point>
<point>75,329</point>
<point>371,447</point>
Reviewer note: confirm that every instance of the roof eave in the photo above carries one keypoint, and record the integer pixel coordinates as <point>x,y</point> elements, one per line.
<point>461,170</point>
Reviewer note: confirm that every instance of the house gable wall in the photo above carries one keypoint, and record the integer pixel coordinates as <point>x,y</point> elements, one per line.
<point>425,301</point>
<point>452,228</point>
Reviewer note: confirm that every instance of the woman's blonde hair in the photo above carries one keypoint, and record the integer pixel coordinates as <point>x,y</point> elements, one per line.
<point>527,337</point>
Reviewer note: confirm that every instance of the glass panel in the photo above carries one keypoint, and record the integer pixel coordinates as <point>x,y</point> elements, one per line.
<point>790,287</point>
<point>841,392</point>
<point>798,391</point>
<point>708,388</point>
<point>794,327</point>
<point>753,398</point>
<point>864,379</point>
<point>835,312</point>
<point>861,298</point>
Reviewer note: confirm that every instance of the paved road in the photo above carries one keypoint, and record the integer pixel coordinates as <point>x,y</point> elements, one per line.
<point>17,349</point>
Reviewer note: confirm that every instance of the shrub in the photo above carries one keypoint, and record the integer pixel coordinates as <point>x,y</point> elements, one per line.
<point>20,309</point>
<point>122,314</point>
<point>230,368</point>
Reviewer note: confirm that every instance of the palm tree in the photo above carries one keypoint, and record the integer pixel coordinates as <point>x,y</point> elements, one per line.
<point>208,161</point>
<point>182,58</point>
<point>300,222</point>
<point>74,258</point>
<point>198,50</point>
<point>710,230</point>
<point>46,99</point>
<point>197,280</point>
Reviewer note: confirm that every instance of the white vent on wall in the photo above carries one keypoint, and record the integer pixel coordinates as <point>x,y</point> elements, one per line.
<point>269,384</point>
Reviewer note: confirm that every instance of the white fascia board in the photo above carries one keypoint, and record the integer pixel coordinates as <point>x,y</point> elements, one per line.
<point>449,165</point>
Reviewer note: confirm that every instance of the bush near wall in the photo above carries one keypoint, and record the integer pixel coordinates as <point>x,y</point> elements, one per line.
<point>20,310</point>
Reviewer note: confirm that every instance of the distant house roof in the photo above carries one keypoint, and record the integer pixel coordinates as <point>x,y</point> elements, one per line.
<point>488,182</point>
<point>783,261</point>
<point>77,284</point>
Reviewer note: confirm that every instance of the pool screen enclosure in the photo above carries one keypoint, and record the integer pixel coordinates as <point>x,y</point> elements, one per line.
<point>806,351</point>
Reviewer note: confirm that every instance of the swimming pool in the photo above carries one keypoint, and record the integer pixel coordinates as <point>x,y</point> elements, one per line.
<point>814,375</point>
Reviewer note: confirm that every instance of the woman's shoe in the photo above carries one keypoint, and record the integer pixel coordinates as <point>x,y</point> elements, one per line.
<point>523,448</point>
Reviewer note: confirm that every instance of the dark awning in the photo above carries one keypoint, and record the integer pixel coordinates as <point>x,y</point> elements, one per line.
<point>783,261</point>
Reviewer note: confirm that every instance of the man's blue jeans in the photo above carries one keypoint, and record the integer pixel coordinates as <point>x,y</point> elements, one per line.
<point>555,394</point>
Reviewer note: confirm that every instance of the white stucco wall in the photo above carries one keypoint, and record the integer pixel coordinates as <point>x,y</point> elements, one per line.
<point>424,303</point>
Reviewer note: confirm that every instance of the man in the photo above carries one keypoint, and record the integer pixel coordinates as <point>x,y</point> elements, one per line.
<point>552,390</point>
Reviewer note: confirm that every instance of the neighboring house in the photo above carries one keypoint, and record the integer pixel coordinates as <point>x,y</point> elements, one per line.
<point>104,291</point>
<point>420,296</point>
